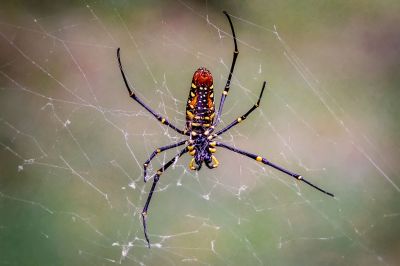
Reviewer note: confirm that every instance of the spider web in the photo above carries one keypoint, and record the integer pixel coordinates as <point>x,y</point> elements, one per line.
<point>73,143</point>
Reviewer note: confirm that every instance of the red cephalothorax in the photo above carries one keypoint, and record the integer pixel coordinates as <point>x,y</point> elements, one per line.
<point>202,78</point>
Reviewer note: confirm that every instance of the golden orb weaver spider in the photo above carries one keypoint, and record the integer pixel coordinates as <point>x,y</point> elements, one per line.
<point>201,121</point>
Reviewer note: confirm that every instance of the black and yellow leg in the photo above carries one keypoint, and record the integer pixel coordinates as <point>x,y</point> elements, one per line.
<point>266,162</point>
<point>228,81</point>
<point>157,151</point>
<point>243,117</point>
<point>138,100</point>
<point>153,186</point>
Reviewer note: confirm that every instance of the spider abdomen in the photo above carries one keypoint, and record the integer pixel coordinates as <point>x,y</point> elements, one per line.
<point>200,107</point>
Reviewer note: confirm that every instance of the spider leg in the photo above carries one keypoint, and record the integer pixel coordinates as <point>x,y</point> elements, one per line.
<point>137,99</point>
<point>243,117</point>
<point>265,161</point>
<point>228,82</point>
<point>157,151</point>
<point>153,186</point>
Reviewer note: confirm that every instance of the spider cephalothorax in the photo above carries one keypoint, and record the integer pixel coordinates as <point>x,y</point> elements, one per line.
<point>201,120</point>
<point>202,149</point>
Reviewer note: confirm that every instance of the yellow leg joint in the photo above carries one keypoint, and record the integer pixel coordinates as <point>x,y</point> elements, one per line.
<point>259,159</point>
<point>215,161</point>
<point>193,152</point>
<point>191,165</point>
<point>212,150</point>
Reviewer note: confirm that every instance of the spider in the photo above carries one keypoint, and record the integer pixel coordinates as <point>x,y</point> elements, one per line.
<point>201,121</point>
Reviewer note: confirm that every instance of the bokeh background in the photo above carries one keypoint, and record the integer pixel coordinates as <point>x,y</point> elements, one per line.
<point>72,143</point>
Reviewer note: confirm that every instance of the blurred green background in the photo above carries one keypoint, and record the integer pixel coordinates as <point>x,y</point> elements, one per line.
<point>72,143</point>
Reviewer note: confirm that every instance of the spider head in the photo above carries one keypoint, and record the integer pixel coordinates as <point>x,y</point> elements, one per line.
<point>202,151</point>
<point>202,78</point>
<point>196,162</point>
<point>207,158</point>
<point>201,155</point>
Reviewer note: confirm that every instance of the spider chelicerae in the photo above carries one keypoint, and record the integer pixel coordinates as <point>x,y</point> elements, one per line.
<point>201,121</point>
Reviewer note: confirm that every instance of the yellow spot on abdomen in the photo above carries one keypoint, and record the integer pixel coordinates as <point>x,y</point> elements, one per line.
<point>190,114</point>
